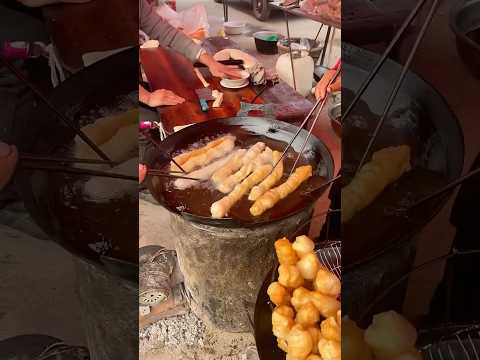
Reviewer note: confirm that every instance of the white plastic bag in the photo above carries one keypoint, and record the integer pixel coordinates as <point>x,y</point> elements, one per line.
<point>190,21</point>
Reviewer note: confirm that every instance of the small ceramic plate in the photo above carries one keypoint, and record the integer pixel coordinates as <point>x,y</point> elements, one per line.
<point>225,83</point>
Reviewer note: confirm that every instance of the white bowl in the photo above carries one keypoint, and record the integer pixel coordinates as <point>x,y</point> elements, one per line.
<point>237,82</point>
<point>234,27</point>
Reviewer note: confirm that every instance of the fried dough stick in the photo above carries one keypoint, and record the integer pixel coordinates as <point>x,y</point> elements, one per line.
<point>221,207</point>
<point>271,180</point>
<point>227,185</point>
<point>184,157</point>
<point>210,155</point>
<point>386,166</point>
<point>225,171</point>
<point>204,173</point>
<point>273,196</point>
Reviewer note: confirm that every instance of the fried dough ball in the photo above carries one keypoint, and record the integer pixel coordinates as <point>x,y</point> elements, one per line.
<point>354,346</point>
<point>299,343</point>
<point>278,294</point>
<point>289,276</point>
<point>330,329</point>
<point>327,305</point>
<point>329,349</point>
<point>282,321</point>
<point>308,266</point>
<point>327,283</point>
<point>285,253</point>
<point>339,318</point>
<point>390,335</point>
<point>316,335</point>
<point>303,245</point>
<point>307,315</point>
<point>282,344</point>
<point>300,297</point>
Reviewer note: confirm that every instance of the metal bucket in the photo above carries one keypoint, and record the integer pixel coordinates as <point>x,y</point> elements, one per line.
<point>224,268</point>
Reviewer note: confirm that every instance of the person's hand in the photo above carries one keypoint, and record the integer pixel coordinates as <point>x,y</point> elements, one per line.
<point>8,163</point>
<point>142,173</point>
<point>219,70</point>
<point>322,87</point>
<point>163,97</point>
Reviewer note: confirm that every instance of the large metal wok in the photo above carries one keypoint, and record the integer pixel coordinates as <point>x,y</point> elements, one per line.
<point>53,199</point>
<point>420,118</point>
<point>194,204</point>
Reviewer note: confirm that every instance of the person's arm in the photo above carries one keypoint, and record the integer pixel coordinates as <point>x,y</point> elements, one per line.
<point>158,29</point>
<point>8,163</point>
<point>159,97</point>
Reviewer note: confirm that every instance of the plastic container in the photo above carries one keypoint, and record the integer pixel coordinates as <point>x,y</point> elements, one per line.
<point>303,67</point>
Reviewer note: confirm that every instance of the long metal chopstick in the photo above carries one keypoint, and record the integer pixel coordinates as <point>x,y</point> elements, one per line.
<point>48,159</point>
<point>326,183</point>
<point>153,172</point>
<point>384,57</point>
<point>78,171</point>
<point>61,116</point>
<point>399,82</point>
<point>324,101</point>
<point>319,102</point>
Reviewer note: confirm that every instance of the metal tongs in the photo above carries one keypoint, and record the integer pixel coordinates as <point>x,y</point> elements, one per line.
<point>399,82</point>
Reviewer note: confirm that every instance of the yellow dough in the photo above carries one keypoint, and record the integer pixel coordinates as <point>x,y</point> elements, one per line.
<point>390,335</point>
<point>285,253</point>
<point>386,166</point>
<point>103,130</point>
<point>273,196</point>
<point>221,207</point>
<point>270,181</point>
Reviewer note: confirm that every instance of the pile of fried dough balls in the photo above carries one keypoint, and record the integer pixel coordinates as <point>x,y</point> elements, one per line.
<point>307,318</point>
<point>389,337</point>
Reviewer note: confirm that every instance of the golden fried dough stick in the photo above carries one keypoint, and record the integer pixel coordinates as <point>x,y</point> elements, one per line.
<point>278,294</point>
<point>316,335</point>
<point>282,321</point>
<point>308,315</point>
<point>299,343</point>
<point>303,245</point>
<point>289,276</point>
<point>271,197</point>
<point>327,283</point>
<point>227,170</point>
<point>211,154</point>
<point>390,335</point>
<point>330,329</point>
<point>308,266</point>
<point>329,349</point>
<point>252,159</point>
<point>285,253</point>
<point>203,173</point>
<point>386,166</point>
<point>353,345</point>
<point>270,181</point>
<point>182,158</point>
<point>221,207</point>
<point>327,305</point>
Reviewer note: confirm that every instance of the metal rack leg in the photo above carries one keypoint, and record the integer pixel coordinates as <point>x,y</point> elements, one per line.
<point>225,10</point>
<point>325,46</point>
<point>290,50</point>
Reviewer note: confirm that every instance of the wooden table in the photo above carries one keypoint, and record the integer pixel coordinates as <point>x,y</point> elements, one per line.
<point>98,25</point>
<point>168,70</point>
